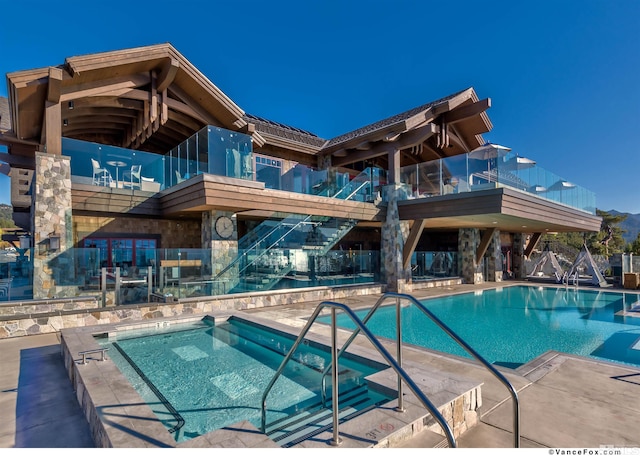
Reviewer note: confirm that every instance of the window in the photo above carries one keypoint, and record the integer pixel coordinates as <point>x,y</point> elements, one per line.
<point>123,252</point>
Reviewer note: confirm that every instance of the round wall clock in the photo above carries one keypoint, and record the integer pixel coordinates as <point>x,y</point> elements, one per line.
<point>224,227</point>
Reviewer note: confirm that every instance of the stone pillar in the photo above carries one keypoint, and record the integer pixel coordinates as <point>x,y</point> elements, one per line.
<point>51,218</point>
<point>394,234</point>
<point>494,253</point>
<point>224,250</point>
<point>468,241</point>
<point>519,271</point>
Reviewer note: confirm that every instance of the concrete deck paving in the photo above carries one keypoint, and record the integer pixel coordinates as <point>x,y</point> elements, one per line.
<point>566,402</point>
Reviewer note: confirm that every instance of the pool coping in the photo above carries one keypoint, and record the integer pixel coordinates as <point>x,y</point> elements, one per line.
<point>118,417</point>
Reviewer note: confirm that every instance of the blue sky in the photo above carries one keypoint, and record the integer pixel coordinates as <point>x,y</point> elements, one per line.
<point>562,74</point>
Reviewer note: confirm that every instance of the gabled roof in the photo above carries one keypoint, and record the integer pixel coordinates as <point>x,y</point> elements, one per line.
<point>149,98</point>
<point>274,131</point>
<point>389,121</point>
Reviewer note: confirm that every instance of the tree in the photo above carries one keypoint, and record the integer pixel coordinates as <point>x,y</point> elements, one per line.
<point>634,247</point>
<point>609,239</point>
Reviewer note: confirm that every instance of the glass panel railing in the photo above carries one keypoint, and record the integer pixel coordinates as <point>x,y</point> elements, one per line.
<point>500,168</point>
<point>16,274</point>
<point>115,167</point>
<point>433,265</point>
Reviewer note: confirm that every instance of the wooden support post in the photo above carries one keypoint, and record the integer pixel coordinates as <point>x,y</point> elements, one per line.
<point>412,241</point>
<point>532,244</point>
<point>484,243</point>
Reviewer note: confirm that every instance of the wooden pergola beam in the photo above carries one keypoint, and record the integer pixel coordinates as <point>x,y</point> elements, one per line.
<point>412,241</point>
<point>103,87</point>
<point>404,141</point>
<point>54,89</point>
<point>167,74</point>
<point>484,243</point>
<point>465,112</point>
<point>532,244</point>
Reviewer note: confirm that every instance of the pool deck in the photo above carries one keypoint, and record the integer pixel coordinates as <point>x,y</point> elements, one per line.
<point>566,401</point>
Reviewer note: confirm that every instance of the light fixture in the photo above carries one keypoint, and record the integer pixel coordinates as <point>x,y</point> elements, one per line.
<point>71,104</point>
<point>25,242</point>
<point>54,242</point>
<point>65,122</point>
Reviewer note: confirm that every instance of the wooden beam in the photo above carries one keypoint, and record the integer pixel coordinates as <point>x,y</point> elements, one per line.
<point>467,111</point>
<point>53,128</point>
<point>167,74</point>
<point>103,87</point>
<point>406,140</point>
<point>54,88</point>
<point>487,235</point>
<point>532,244</point>
<point>412,241</point>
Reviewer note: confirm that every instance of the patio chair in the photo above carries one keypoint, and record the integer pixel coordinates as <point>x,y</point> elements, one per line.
<point>131,178</point>
<point>179,178</point>
<point>101,176</point>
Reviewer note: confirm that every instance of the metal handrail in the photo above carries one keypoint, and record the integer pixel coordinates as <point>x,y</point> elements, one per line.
<point>450,333</point>
<point>334,355</point>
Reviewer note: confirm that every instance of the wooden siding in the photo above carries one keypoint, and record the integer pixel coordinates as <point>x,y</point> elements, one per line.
<point>502,208</point>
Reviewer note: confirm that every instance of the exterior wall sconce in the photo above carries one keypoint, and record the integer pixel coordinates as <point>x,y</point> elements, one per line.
<point>54,242</point>
<point>25,242</point>
<point>71,104</point>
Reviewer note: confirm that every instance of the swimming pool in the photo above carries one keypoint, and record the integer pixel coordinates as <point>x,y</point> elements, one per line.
<point>513,325</point>
<point>201,376</point>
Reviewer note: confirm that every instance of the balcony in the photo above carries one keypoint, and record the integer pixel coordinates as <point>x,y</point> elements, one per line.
<point>214,151</point>
<point>499,168</point>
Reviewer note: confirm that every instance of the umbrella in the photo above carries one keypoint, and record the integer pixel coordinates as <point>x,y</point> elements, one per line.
<point>537,189</point>
<point>517,163</point>
<point>488,151</point>
<point>562,185</point>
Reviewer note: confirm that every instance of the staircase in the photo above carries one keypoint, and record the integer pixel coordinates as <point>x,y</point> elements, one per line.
<point>269,252</point>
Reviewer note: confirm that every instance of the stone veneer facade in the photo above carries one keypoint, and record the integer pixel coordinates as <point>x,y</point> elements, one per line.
<point>223,251</point>
<point>494,253</point>
<point>468,241</point>
<point>51,216</point>
<point>34,317</point>
<point>394,234</point>
<point>519,270</point>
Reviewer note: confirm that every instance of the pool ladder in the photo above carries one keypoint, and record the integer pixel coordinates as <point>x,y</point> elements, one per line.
<point>396,364</point>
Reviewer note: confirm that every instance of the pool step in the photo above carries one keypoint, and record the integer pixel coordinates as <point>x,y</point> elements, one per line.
<point>297,428</point>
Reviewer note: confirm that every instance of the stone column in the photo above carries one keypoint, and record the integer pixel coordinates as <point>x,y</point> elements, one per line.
<point>224,251</point>
<point>519,271</point>
<point>468,241</point>
<point>394,234</point>
<point>494,253</point>
<point>51,217</point>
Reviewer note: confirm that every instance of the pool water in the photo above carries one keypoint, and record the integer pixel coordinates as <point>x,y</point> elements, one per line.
<point>214,375</point>
<point>511,326</point>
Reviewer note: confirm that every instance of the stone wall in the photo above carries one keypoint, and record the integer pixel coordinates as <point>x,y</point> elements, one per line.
<point>468,241</point>
<point>51,214</point>
<point>519,270</point>
<point>173,234</point>
<point>23,320</point>
<point>394,234</point>
<point>494,255</point>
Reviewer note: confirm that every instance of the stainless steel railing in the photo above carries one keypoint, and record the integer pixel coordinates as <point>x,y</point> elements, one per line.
<point>400,296</point>
<point>402,375</point>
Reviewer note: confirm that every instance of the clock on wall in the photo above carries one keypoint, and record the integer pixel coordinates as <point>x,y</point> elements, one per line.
<point>224,227</point>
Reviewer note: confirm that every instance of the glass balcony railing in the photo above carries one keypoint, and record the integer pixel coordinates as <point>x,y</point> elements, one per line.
<point>472,172</point>
<point>214,151</point>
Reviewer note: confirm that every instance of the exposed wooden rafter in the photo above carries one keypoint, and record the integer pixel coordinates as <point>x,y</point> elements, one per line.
<point>487,235</point>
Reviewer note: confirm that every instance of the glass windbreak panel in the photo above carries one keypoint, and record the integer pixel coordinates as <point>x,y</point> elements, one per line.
<point>230,153</point>
<point>122,254</point>
<point>115,167</point>
<point>433,265</point>
<point>16,274</point>
<point>268,171</point>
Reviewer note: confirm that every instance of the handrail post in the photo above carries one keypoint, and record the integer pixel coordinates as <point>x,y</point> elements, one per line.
<point>400,407</point>
<point>335,441</point>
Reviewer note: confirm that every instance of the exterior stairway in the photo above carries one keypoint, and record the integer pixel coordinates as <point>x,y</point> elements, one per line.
<point>270,251</point>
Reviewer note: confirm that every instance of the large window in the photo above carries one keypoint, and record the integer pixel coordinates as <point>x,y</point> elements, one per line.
<point>124,252</point>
